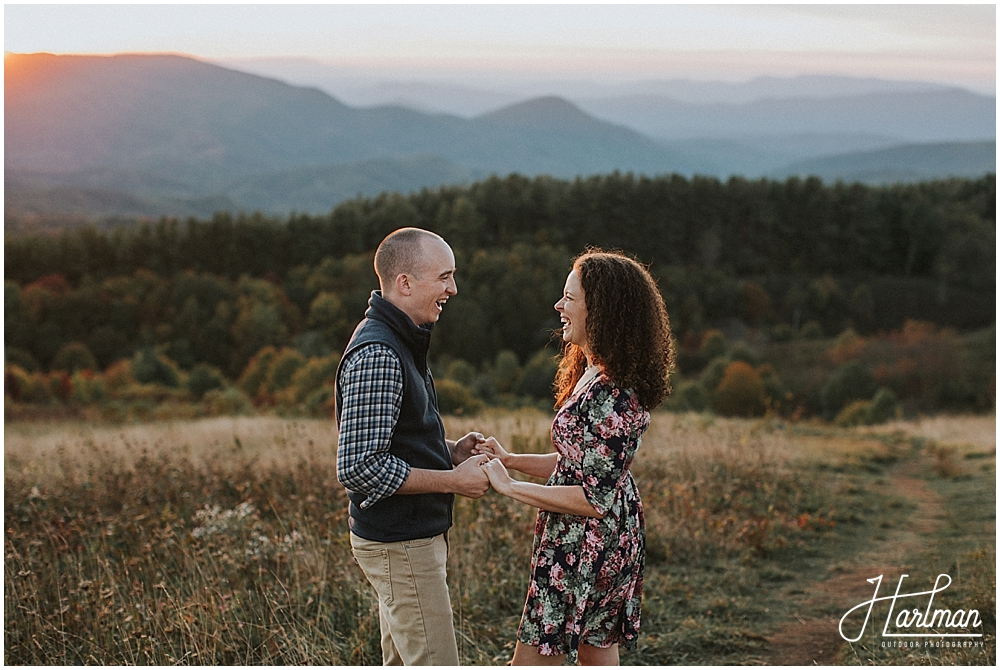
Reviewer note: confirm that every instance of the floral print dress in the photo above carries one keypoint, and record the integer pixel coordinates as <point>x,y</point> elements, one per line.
<point>586,573</point>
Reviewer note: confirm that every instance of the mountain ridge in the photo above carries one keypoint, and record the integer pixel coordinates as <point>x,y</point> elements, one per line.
<point>908,162</point>
<point>176,135</point>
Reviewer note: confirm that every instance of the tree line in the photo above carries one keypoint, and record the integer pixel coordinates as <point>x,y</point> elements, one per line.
<point>941,229</point>
<point>778,258</point>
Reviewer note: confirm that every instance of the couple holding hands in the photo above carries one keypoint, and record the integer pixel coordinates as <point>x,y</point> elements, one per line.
<point>401,472</point>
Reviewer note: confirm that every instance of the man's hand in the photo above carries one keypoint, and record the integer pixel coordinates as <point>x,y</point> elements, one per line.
<point>468,478</point>
<point>461,450</point>
<point>492,448</point>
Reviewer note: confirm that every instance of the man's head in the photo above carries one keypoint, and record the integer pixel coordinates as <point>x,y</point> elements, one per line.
<point>416,271</point>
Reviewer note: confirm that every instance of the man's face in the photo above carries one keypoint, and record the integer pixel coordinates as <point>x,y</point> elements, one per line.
<point>432,282</point>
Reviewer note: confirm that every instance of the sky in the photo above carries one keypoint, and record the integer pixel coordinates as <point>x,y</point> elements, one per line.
<point>953,44</point>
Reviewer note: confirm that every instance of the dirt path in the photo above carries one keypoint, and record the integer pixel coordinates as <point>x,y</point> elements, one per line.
<point>816,640</point>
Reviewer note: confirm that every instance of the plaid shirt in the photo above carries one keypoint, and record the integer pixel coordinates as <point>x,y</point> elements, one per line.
<point>371,385</point>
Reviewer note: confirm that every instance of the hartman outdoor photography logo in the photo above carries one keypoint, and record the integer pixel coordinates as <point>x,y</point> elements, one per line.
<point>918,619</point>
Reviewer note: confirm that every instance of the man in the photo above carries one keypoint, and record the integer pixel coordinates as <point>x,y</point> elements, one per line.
<point>392,456</point>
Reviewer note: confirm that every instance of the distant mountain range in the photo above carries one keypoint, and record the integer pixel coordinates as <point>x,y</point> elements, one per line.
<point>936,115</point>
<point>151,135</point>
<point>471,96</point>
<point>911,162</point>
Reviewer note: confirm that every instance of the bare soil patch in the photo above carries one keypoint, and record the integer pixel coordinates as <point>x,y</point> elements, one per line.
<point>816,640</point>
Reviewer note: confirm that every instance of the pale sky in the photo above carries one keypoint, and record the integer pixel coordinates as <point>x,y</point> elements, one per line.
<point>953,44</point>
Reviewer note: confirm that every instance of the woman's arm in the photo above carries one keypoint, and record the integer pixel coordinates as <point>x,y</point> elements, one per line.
<point>560,499</point>
<point>536,465</point>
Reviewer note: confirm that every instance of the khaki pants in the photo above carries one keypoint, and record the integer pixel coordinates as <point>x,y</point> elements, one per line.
<point>414,606</point>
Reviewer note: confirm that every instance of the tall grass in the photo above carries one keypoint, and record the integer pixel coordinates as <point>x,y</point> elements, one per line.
<point>224,541</point>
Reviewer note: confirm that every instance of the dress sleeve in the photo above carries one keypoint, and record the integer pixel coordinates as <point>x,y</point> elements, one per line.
<point>606,444</point>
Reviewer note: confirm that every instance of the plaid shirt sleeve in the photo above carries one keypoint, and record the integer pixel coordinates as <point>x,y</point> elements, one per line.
<point>371,386</point>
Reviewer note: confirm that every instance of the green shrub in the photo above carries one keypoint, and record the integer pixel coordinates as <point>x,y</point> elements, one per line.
<point>483,387</point>
<point>227,402</point>
<point>773,388</point>
<point>782,333</point>
<point>461,371</point>
<point>854,414</point>
<point>312,344</point>
<point>61,385</point>
<point>255,373</point>
<point>73,357</point>
<point>87,387</point>
<point>20,358</point>
<point>181,353</point>
<point>740,392</point>
<point>689,397</point>
<point>506,371</point>
<point>285,364</point>
<point>118,376</point>
<point>713,373</point>
<point>884,407</point>
<point>812,330</point>
<point>741,352</point>
<point>320,402</point>
<point>453,398</point>
<point>713,345</point>
<point>326,310</point>
<point>538,375</point>
<point>149,368</point>
<point>204,378</point>
<point>316,374</point>
<point>152,394</point>
<point>851,381</point>
<point>16,382</point>
<point>37,389</point>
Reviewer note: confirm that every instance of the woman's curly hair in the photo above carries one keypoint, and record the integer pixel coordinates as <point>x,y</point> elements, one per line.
<point>628,330</point>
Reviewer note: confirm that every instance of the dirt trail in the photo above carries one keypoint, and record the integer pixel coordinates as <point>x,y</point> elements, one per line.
<point>816,640</point>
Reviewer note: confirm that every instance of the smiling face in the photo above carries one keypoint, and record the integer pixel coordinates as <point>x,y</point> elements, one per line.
<point>572,309</point>
<point>423,292</point>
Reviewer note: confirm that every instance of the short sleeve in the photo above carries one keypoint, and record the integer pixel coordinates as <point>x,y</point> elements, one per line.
<point>608,444</point>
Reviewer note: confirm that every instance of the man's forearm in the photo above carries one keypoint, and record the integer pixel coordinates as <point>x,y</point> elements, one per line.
<point>428,481</point>
<point>466,480</point>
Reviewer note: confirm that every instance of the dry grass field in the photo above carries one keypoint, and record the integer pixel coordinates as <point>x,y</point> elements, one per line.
<point>223,541</point>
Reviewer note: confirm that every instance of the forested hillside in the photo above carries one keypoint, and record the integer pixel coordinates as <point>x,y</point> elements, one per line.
<point>760,261</point>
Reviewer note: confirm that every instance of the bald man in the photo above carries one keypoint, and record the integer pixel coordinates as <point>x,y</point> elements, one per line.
<point>400,471</point>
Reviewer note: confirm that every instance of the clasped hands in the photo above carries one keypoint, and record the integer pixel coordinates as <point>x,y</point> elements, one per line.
<point>480,465</point>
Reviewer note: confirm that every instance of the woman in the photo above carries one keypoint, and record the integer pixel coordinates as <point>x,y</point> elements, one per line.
<point>587,560</point>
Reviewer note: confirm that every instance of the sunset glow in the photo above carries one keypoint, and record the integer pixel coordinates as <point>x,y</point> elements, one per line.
<point>953,44</point>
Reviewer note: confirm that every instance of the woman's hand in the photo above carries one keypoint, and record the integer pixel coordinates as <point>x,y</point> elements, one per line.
<point>494,450</point>
<point>500,479</point>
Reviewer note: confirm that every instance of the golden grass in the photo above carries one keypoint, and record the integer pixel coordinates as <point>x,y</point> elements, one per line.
<point>48,449</point>
<point>59,449</point>
<point>223,540</point>
<point>966,432</point>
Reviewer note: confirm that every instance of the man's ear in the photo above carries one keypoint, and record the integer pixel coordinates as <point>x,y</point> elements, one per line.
<point>403,285</point>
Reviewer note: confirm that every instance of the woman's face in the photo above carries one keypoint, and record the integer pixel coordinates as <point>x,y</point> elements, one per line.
<point>572,310</point>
